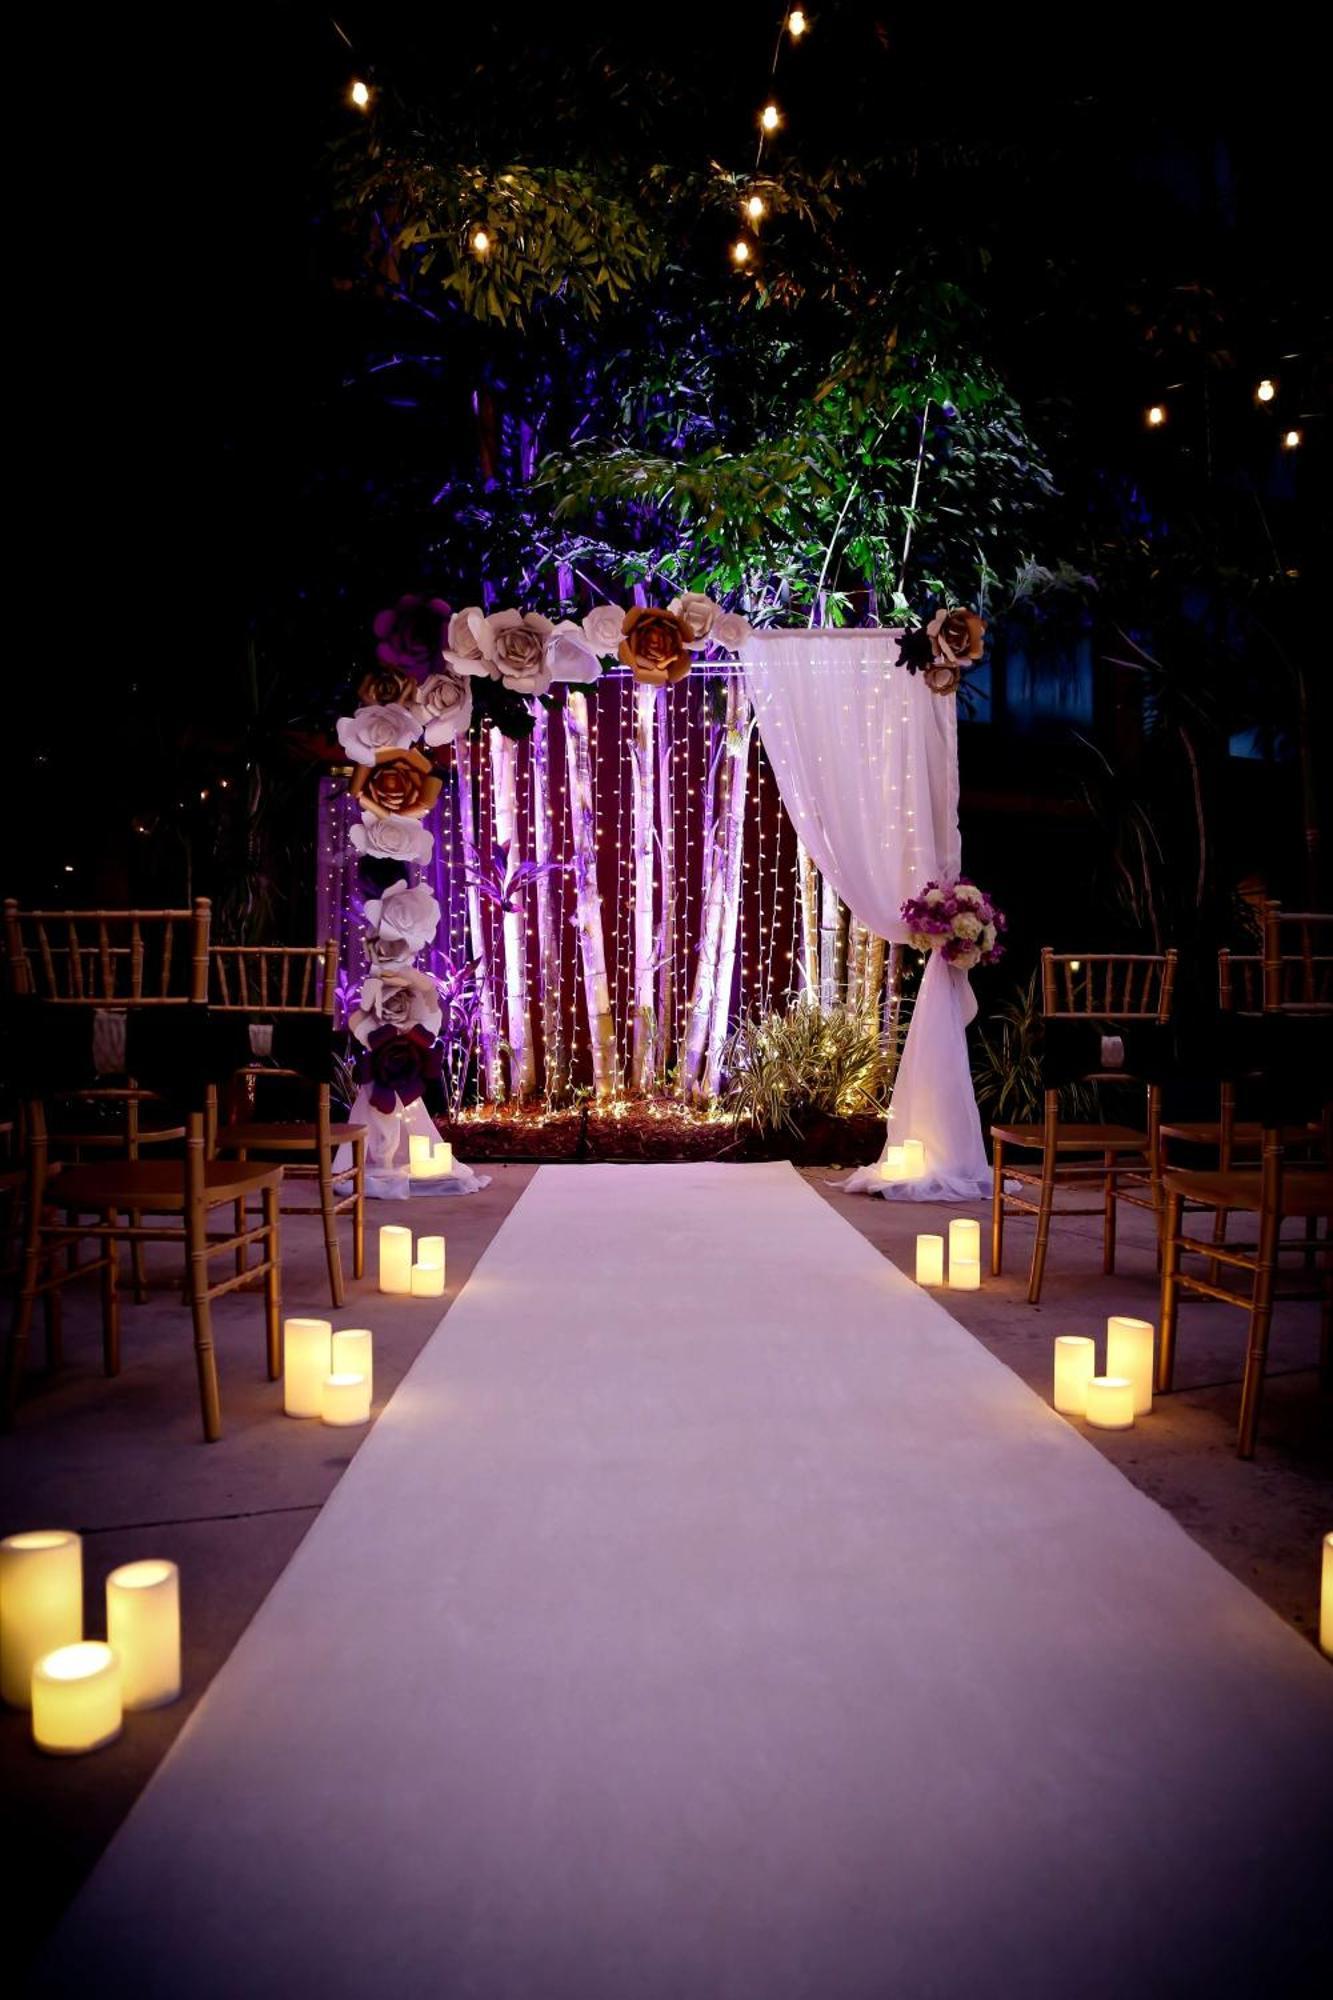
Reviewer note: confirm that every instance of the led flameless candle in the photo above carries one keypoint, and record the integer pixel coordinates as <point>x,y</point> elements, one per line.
<point>395,1258</point>
<point>965,1274</point>
<point>1326,1600</point>
<point>1129,1345</point>
<point>930,1260</point>
<point>914,1159</point>
<point>346,1400</point>
<point>76,1701</point>
<point>143,1630</point>
<point>428,1271</point>
<point>1075,1366</point>
<point>1111,1402</point>
<point>444,1157</point>
<point>41,1604</point>
<point>306,1353</point>
<point>353,1354</point>
<point>964,1243</point>
<point>420,1163</point>
<point>891,1166</point>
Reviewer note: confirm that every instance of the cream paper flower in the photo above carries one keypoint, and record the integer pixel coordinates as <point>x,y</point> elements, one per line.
<point>515,645</point>
<point>569,655</point>
<point>400,998</point>
<point>443,707</point>
<point>392,839</point>
<point>383,726</point>
<point>698,614</point>
<point>730,631</point>
<point>463,643</point>
<point>410,914</point>
<point>603,628</point>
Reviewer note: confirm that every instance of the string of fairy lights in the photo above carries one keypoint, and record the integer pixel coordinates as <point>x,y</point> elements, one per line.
<point>1157,416</point>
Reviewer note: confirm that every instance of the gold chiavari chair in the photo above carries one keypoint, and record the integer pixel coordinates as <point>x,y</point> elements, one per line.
<point>286,994</point>
<point>1090,1004</point>
<point>125,991</point>
<point>1292,1069</point>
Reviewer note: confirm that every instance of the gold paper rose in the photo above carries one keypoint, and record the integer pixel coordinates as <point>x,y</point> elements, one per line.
<point>383,685</point>
<point>956,636</point>
<point>655,645</point>
<point>943,677</point>
<point>398,782</point>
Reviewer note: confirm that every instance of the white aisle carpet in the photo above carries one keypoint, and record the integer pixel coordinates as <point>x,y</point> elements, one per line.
<point>710,1615</point>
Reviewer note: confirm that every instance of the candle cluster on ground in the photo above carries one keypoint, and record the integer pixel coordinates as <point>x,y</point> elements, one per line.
<point>429,1159</point>
<point>78,1689</point>
<point>903,1163</point>
<point>326,1374</point>
<point>1109,1402</point>
<point>419,1276</point>
<point>964,1261</point>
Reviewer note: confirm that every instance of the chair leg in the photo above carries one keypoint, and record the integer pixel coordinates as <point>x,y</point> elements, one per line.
<point>200,1307</point>
<point>111,1299</point>
<point>1261,1321</point>
<point>238,1226</point>
<point>997,1210</point>
<point>1326,1316</point>
<point>1046,1202</point>
<point>16,1359</point>
<point>1108,1214</point>
<point>138,1266</point>
<point>330,1221</point>
<point>359,1208</point>
<point>1166,1345</point>
<point>272,1283</point>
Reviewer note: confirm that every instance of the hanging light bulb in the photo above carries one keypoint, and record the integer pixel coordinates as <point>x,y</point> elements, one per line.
<point>740,251</point>
<point>360,94</point>
<point>796,24</point>
<point>1156,416</point>
<point>481,242</point>
<point>770,118</point>
<point>756,207</point>
<point>1266,391</point>
<point>1291,440</point>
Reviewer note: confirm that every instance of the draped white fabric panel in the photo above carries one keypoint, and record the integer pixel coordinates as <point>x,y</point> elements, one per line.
<point>866,760</point>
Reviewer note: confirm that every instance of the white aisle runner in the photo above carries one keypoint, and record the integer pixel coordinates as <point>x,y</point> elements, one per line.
<point>709,1615</point>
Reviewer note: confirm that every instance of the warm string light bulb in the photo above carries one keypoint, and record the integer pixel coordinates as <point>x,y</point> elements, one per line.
<point>797,24</point>
<point>740,251</point>
<point>1156,416</point>
<point>770,118</point>
<point>1266,391</point>
<point>756,208</point>
<point>481,242</point>
<point>360,94</point>
<point>1290,440</point>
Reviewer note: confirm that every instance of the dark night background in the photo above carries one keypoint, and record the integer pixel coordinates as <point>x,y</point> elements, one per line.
<point>1140,199</point>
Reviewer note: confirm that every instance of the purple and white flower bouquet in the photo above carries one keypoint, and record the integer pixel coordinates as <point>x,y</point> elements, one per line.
<point>957,919</point>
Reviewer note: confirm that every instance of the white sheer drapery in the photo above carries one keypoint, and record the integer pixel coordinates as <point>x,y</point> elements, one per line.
<point>866,760</point>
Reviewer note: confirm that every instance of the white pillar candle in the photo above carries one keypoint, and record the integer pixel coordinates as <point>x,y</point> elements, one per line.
<point>420,1163</point>
<point>914,1160</point>
<point>306,1353</point>
<point>964,1241</point>
<point>428,1271</point>
<point>143,1630</point>
<point>76,1704</point>
<point>444,1157</point>
<point>395,1258</point>
<point>1111,1402</point>
<point>930,1260</point>
<point>891,1166</point>
<point>1326,1600</point>
<point>964,1274</point>
<point>353,1354</point>
<point>41,1604</point>
<point>1075,1366</point>
<point>346,1400</point>
<point>1129,1351</point>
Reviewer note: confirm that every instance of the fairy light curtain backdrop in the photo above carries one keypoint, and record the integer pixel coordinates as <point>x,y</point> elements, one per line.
<point>592,895</point>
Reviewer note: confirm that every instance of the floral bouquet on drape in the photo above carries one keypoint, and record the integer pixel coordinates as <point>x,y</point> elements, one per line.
<point>958,920</point>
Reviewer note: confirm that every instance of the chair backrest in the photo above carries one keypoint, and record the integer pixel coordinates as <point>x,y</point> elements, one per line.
<point>1298,961</point>
<point>273,979</point>
<point>1107,986</point>
<point>109,958</point>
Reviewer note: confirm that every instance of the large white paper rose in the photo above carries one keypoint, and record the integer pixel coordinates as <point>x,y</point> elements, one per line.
<point>569,656</point>
<point>410,914</point>
<point>698,614</point>
<point>392,838</point>
<point>443,706</point>
<point>515,644</point>
<point>386,953</point>
<point>464,649</point>
<point>382,726</point>
<point>730,631</point>
<point>403,998</point>
<point>604,628</point>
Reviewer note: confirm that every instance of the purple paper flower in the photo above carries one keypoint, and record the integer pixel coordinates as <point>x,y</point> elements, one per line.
<point>411,636</point>
<point>395,1065</point>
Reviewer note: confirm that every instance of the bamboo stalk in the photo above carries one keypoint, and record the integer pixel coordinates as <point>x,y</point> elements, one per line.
<point>550,895</point>
<point>690,1071</point>
<point>588,903</point>
<point>829,915</point>
<point>739,734</point>
<point>518,1026</point>
<point>642,800</point>
<point>807,878</point>
<point>873,977</point>
<point>488,1038</point>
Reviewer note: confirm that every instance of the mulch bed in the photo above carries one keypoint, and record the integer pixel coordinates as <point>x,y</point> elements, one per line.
<point>656,1131</point>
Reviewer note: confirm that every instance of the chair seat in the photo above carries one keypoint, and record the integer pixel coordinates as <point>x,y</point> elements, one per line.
<point>1075,1138</point>
<point>289,1136</point>
<point>1208,1132</point>
<point>155,1185</point>
<point>1302,1193</point>
<point>106,1142</point>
